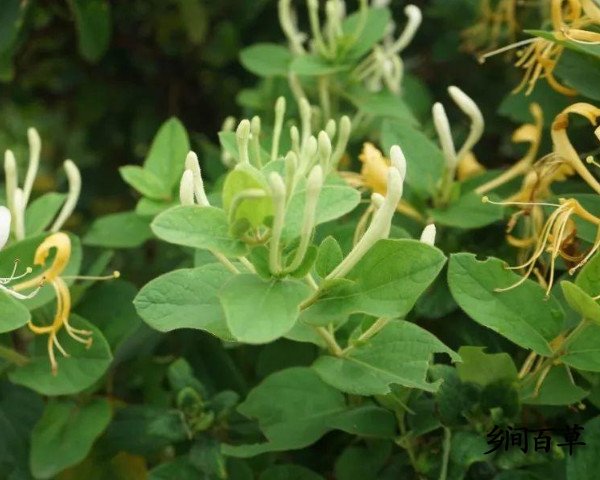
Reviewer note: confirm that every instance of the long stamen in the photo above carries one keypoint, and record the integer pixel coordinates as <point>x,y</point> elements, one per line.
<point>482,58</point>
<point>486,199</point>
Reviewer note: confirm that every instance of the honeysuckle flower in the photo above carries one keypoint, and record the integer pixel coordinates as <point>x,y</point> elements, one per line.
<point>380,224</point>
<point>384,64</point>
<point>186,188</point>
<point>61,243</point>
<point>5,221</point>
<point>243,139</point>
<point>373,174</point>
<point>494,22</point>
<point>556,238</point>
<point>428,235</point>
<point>17,198</point>
<point>192,164</point>
<point>539,56</point>
<point>563,148</point>
<point>278,193</point>
<point>277,127</point>
<point>314,183</point>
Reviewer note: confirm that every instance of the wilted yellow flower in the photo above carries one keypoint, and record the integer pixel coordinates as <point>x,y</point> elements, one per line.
<point>494,23</point>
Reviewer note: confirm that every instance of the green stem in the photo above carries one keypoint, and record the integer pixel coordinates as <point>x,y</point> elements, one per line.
<point>330,340</point>
<point>446,453</point>
<point>13,356</point>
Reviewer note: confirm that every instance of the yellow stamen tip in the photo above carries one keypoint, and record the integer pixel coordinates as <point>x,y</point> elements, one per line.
<point>485,199</point>
<point>29,270</point>
<point>116,274</point>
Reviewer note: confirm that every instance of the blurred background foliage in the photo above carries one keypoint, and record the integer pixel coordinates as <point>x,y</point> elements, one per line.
<point>98,77</point>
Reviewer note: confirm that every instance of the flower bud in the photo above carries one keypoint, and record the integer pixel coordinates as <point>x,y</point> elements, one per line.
<point>428,235</point>
<point>398,160</point>
<point>186,188</point>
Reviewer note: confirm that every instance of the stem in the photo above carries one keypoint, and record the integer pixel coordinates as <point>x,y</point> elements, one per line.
<point>13,356</point>
<point>370,332</point>
<point>324,97</point>
<point>330,340</point>
<point>225,261</point>
<point>246,263</point>
<point>446,453</point>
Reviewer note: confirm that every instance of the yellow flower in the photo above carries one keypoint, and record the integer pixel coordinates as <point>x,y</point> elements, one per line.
<point>62,244</point>
<point>492,25</point>
<point>373,175</point>
<point>539,56</point>
<point>556,238</point>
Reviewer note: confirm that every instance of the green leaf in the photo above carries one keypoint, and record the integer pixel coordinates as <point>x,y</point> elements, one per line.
<point>20,409</point>
<point>144,429</point>
<point>557,389</point>
<point>393,274</point>
<point>255,210</point>
<point>358,463</point>
<point>12,16</point>
<point>166,158</point>
<point>119,230</point>
<point>374,29</point>
<point>335,200</point>
<point>289,472</point>
<point>583,464</point>
<point>145,182</point>
<point>336,299</point>
<point>314,65</point>
<point>122,319</point>
<point>92,18</point>
<point>266,59</point>
<point>522,314</point>
<point>485,368</point>
<point>398,355</point>
<point>186,299</point>
<point>24,251</point>
<point>591,49</point>
<point>329,256</point>
<point>468,212</point>
<point>467,448</point>
<point>13,314</point>
<point>580,72</point>
<point>259,310</point>
<point>197,227</point>
<point>80,370</point>
<point>423,176</point>
<point>588,278</point>
<point>381,104</point>
<point>65,434</point>
<point>42,211</point>
<point>580,301</point>
<point>583,350</point>
<point>306,408</point>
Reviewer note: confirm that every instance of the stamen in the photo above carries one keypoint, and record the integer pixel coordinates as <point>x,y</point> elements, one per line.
<point>482,58</point>
<point>112,276</point>
<point>486,199</point>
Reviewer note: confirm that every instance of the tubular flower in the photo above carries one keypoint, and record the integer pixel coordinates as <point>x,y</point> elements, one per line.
<point>539,56</point>
<point>62,244</point>
<point>373,176</point>
<point>563,148</point>
<point>556,238</point>
<point>493,25</point>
